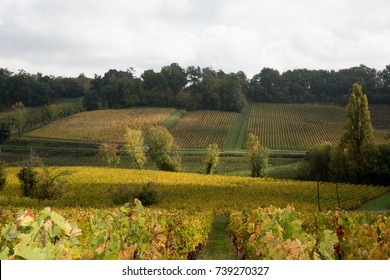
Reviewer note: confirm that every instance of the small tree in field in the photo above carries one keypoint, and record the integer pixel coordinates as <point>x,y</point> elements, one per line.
<point>134,147</point>
<point>19,116</point>
<point>212,158</point>
<point>108,152</point>
<point>257,155</point>
<point>162,149</point>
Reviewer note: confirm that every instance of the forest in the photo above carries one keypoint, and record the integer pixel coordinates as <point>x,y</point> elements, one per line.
<point>195,88</point>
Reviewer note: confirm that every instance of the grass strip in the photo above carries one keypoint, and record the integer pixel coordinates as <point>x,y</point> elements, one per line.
<point>219,246</point>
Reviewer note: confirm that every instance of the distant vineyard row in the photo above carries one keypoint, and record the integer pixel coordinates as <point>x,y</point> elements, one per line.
<point>279,126</point>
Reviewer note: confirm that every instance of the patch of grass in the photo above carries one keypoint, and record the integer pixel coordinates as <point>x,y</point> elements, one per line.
<point>219,246</point>
<point>381,203</point>
<point>173,119</point>
<point>244,127</point>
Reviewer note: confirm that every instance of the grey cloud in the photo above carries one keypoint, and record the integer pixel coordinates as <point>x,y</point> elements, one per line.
<point>68,37</point>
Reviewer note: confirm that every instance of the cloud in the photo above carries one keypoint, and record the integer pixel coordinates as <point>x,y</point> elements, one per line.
<point>69,37</point>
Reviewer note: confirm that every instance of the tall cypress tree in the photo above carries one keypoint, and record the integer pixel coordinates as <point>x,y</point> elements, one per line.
<point>357,146</point>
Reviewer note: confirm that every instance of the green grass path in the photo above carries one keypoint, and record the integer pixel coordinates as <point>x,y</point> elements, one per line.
<point>381,203</point>
<point>219,246</point>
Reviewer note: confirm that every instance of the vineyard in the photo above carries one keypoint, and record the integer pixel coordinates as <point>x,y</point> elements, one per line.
<point>279,126</point>
<point>380,116</point>
<point>200,128</point>
<point>87,222</point>
<point>97,187</point>
<point>296,126</point>
<point>124,233</point>
<point>102,125</point>
<point>285,234</point>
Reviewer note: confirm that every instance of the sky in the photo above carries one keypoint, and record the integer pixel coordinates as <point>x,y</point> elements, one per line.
<point>69,37</point>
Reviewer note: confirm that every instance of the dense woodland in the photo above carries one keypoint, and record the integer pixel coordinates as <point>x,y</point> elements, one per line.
<point>195,88</point>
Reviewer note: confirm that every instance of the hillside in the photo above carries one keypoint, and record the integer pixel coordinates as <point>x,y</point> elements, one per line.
<point>280,126</point>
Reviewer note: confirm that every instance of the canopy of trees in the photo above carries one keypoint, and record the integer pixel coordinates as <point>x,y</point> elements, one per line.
<point>38,90</point>
<point>195,88</point>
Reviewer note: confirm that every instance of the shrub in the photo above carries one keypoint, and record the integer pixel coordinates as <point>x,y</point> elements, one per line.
<point>28,178</point>
<point>121,194</point>
<point>148,196</point>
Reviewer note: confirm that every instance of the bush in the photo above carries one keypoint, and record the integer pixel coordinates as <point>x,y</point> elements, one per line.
<point>41,185</point>
<point>148,195</point>
<point>49,185</point>
<point>28,178</point>
<point>121,194</point>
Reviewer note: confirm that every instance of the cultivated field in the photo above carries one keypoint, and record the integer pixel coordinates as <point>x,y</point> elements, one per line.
<point>102,125</point>
<point>90,220</point>
<point>200,128</point>
<point>296,126</point>
<point>97,186</point>
<point>279,126</point>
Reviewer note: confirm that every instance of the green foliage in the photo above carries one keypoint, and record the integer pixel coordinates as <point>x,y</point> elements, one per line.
<point>316,165</point>
<point>257,155</point>
<point>46,237</point>
<point>41,182</point>
<point>274,233</point>
<point>356,153</point>
<point>3,175</point>
<point>127,233</point>
<point>162,149</point>
<point>108,152</point>
<point>121,194</point>
<point>19,116</point>
<point>148,196</point>
<point>134,147</point>
<point>212,158</point>
<point>49,184</point>
<point>28,179</point>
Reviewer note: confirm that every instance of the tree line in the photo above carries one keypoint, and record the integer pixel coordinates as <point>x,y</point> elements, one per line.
<point>195,88</point>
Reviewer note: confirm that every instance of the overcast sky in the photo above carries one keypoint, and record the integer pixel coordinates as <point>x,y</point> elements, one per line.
<point>68,37</point>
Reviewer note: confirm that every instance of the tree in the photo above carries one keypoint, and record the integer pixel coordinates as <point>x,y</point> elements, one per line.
<point>5,132</point>
<point>357,144</point>
<point>134,147</point>
<point>212,158</point>
<point>317,162</point>
<point>19,116</point>
<point>109,153</point>
<point>162,149</point>
<point>257,155</point>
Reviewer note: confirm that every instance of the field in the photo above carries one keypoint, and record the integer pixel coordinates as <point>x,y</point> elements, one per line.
<point>97,186</point>
<point>280,126</point>
<point>90,220</point>
<point>102,125</point>
<point>200,128</point>
<point>296,126</point>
